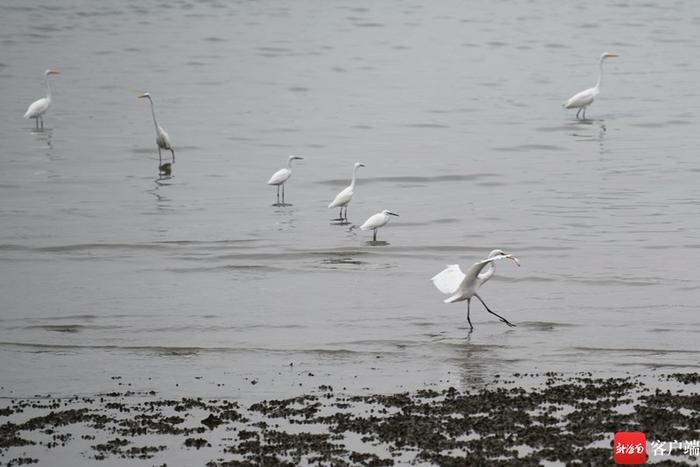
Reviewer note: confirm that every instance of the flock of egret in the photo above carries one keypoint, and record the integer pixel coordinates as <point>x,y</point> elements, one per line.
<point>341,200</point>
<point>452,280</point>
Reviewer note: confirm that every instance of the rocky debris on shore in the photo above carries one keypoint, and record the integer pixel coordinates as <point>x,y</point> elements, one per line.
<point>562,419</point>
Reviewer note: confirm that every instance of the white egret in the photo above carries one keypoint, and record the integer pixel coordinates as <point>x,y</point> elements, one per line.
<point>40,106</point>
<point>281,176</point>
<point>162,138</point>
<point>343,198</point>
<point>378,220</point>
<point>586,97</point>
<point>463,286</point>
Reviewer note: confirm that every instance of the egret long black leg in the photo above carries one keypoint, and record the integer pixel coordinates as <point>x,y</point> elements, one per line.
<point>469,302</point>
<point>577,113</point>
<point>374,237</point>
<point>160,158</point>
<point>278,194</point>
<point>493,313</point>
<point>283,193</point>
<point>173,153</point>
<point>584,113</point>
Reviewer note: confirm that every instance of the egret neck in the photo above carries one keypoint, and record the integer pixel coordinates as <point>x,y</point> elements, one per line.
<point>153,112</point>
<point>354,174</point>
<point>48,88</point>
<point>600,73</point>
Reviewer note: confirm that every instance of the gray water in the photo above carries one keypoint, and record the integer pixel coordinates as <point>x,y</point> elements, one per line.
<point>197,285</point>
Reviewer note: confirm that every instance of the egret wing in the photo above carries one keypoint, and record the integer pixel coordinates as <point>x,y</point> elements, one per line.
<point>37,108</point>
<point>581,99</point>
<point>280,176</point>
<point>373,222</point>
<point>449,279</point>
<point>163,139</point>
<point>342,198</point>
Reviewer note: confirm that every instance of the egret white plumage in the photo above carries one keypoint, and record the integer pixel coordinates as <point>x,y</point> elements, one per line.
<point>377,220</point>
<point>343,198</point>
<point>281,176</point>
<point>586,97</point>
<point>162,138</point>
<point>463,286</point>
<point>39,107</point>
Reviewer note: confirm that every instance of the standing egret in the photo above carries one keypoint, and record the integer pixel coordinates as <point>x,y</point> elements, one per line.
<point>281,176</point>
<point>585,98</point>
<point>40,106</point>
<point>378,220</point>
<point>343,198</point>
<point>162,138</point>
<point>462,286</point>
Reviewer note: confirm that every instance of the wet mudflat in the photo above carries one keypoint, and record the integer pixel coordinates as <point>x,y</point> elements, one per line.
<point>562,419</point>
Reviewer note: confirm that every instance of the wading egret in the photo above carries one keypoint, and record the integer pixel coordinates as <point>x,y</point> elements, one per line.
<point>281,176</point>
<point>586,97</point>
<point>162,138</point>
<point>343,198</point>
<point>40,106</point>
<point>463,286</point>
<point>378,220</point>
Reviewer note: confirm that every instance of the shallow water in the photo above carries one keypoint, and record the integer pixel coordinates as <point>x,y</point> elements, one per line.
<point>197,285</point>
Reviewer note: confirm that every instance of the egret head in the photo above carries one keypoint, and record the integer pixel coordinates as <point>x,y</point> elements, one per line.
<point>495,253</point>
<point>608,55</point>
<point>145,95</point>
<point>359,164</point>
<point>51,72</point>
<point>292,158</point>
<point>386,211</point>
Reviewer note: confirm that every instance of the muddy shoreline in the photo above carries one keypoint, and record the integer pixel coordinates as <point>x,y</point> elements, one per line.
<point>564,419</point>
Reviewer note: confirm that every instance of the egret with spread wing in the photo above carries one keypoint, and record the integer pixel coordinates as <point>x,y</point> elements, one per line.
<point>463,286</point>
<point>162,138</point>
<point>39,107</point>
<point>281,176</point>
<point>586,97</point>
<point>378,220</point>
<point>343,198</point>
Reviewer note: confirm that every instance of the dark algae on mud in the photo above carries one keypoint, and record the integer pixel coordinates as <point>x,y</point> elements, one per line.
<point>567,419</point>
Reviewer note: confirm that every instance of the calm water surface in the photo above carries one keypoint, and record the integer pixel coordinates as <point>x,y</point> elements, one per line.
<point>197,285</point>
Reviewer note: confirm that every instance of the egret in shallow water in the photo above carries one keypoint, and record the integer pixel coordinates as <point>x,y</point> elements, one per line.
<point>586,97</point>
<point>162,138</point>
<point>281,176</point>
<point>343,198</point>
<point>378,220</point>
<point>463,286</point>
<point>39,107</point>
